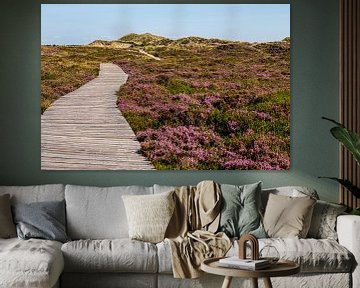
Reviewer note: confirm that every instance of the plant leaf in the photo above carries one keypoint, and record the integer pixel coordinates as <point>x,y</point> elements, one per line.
<point>348,185</point>
<point>333,121</point>
<point>348,138</point>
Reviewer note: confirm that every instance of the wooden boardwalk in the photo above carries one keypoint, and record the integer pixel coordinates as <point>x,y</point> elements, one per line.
<point>84,130</point>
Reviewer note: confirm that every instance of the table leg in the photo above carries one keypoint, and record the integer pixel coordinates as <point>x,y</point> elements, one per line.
<point>267,283</point>
<point>254,282</point>
<point>227,282</point>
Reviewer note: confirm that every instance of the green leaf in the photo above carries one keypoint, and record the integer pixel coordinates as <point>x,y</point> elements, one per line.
<point>348,138</point>
<point>347,184</point>
<point>333,121</point>
<point>355,211</point>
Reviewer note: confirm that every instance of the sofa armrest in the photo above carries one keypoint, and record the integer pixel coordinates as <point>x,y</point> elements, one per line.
<point>348,230</point>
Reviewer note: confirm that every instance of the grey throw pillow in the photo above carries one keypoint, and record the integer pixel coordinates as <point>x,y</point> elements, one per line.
<point>7,227</point>
<point>323,222</point>
<point>44,220</point>
<point>240,213</point>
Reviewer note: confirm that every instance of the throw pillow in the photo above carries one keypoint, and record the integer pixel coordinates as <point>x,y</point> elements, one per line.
<point>43,220</point>
<point>323,222</point>
<point>240,213</point>
<point>149,215</point>
<point>288,217</point>
<point>7,227</point>
<point>292,191</point>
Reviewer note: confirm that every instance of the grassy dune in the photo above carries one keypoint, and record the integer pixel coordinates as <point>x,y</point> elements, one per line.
<point>207,104</point>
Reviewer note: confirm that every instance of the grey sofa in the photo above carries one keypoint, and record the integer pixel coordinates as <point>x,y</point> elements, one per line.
<point>101,255</point>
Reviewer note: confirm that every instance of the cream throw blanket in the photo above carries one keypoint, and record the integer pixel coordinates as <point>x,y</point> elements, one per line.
<point>191,231</point>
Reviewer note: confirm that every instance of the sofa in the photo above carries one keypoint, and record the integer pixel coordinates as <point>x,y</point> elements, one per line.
<point>100,253</point>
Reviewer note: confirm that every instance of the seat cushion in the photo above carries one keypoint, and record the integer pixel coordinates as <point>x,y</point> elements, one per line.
<point>117,255</point>
<point>98,212</point>
<point>313,255</point>
<point>30,263</point>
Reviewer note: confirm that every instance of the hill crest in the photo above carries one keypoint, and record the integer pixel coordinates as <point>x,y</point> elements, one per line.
<point>145,39</point>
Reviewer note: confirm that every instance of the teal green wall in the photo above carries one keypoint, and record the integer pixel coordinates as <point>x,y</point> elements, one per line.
<point>314,93</point>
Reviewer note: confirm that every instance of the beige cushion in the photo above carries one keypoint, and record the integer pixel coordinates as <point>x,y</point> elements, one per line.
<point>116,255</point>
<point>287,217</point>
<point>149,215</point>
<point>7,226</point>
<point>293,191</point>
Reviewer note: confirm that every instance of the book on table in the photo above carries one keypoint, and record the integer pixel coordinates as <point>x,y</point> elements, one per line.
<point>236,262</point>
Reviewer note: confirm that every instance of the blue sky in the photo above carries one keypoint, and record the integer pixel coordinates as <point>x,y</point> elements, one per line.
<point>65,24</point>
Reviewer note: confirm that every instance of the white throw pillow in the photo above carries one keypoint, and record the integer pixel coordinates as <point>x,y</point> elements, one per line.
<point>149,215</point>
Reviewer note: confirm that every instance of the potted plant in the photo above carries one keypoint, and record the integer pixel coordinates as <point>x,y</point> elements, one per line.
<point>351,141</point>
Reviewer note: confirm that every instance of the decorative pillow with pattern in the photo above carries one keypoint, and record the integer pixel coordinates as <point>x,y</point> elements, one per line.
<point>323,223</point>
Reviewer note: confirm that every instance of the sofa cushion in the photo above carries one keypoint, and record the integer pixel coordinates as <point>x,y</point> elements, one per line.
<point>313,255</point>
<point>149,215</point>
<point>163,188</point>
<point>7,227</point>
<point>43,220</point>
<point>30,263</point>
<point>117,255</point>
<point>323,222</point>
<point>291,191</point>
<point>240,210</point>
<point>35,193</point>
<point>287,216</point>
<point>98,213</point>
<point>164,257</point>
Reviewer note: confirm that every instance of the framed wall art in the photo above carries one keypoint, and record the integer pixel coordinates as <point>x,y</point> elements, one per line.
<point>165,86</point>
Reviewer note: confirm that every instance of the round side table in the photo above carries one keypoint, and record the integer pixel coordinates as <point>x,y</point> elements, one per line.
<point>281,268</point>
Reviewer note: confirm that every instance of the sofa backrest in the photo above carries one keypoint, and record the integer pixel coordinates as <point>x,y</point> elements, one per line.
<point>36,193</point>
<point>163,188</point>
<point>98,212</point>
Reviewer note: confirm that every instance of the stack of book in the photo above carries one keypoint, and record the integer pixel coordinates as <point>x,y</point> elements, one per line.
<point>248,264</point>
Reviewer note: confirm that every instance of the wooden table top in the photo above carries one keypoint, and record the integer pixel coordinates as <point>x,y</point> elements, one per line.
<point>281,268</point>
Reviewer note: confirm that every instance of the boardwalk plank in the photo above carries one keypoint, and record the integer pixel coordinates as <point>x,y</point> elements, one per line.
<point>84,129</point>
